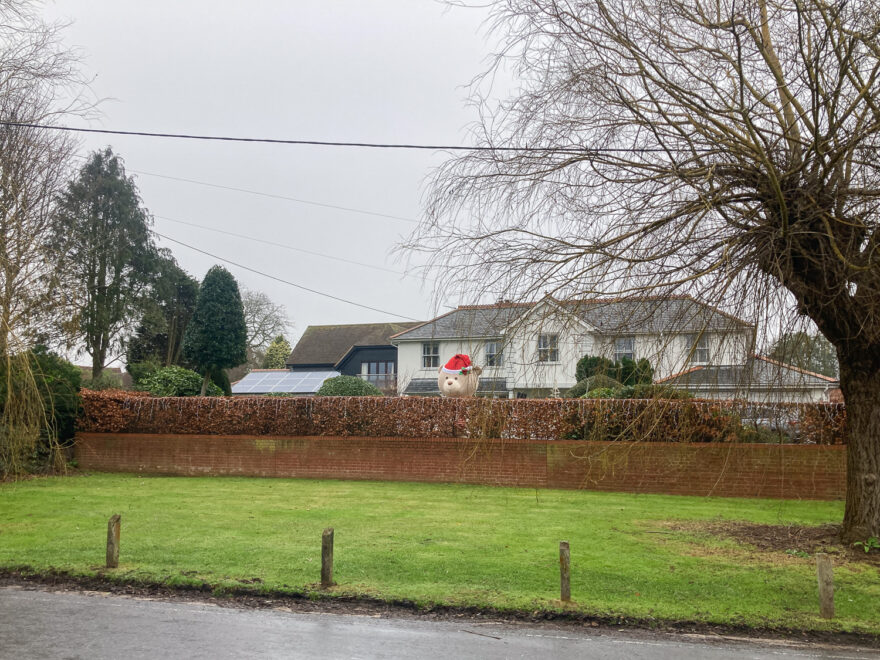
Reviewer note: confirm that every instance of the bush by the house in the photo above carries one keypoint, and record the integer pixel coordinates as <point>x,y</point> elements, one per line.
<point>592,383</point>
<point>176,381</point>
<point>601,393</point>
<point>348,386</point>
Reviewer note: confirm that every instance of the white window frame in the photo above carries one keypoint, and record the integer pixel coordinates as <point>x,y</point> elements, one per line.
<point>495,357</point>
<point>698,348</point>
<point>621,351</point>
<point>548,347</point>
<point>430,355</point>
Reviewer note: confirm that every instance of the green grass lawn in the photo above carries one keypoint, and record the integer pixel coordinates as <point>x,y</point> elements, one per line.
<point>437,544</point>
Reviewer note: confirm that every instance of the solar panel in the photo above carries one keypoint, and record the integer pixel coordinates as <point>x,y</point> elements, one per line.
<point>288,382</point>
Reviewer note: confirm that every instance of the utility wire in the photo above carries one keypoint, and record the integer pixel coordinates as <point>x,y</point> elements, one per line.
<point>283,281</point>
<point>274,196</point>
<point>282,245</point>
<point>266,194</point>
<point>328,143</point>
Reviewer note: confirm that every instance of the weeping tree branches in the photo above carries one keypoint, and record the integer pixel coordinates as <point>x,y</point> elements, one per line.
<point>724,149</point>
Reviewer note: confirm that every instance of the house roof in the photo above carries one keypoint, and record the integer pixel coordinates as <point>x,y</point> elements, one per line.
<point>328,344</point>
<point>759,372</point>
<point>607,315</point>
<point>429,386</point>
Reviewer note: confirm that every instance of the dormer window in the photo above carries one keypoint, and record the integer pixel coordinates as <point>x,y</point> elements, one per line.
<point>548,348</point>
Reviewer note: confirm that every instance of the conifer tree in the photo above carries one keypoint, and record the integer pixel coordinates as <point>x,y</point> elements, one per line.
<point>216,337</point>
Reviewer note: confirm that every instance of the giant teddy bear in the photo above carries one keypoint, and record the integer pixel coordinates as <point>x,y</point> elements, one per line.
<point>458,377</point>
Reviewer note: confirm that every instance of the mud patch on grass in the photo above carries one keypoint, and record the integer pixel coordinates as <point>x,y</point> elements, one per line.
<point>787,540</point>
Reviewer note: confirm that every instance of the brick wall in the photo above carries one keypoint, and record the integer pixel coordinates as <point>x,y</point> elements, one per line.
<point>734,470</point>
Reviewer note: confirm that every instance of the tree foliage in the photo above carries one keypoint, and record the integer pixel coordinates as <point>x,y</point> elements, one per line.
<point>724,149</point>
<point>216,338</point>
<point>102,237</point>
<point>624,372</point>
<point>158,338</point>
<point>808,351</point>
<point>277,353</point>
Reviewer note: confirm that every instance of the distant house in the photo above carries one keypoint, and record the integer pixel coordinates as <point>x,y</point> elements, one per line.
<point>363,350</point>
<point>531,350</point>
<point>760,379</point>
<point>325,351</point>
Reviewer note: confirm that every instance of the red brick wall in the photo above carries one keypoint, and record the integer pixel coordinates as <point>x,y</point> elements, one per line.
<point>735,470</point>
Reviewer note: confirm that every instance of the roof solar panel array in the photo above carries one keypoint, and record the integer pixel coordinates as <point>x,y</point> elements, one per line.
<point>286,382</point>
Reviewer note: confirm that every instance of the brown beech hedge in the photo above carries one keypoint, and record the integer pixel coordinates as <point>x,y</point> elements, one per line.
<point>634,420</point>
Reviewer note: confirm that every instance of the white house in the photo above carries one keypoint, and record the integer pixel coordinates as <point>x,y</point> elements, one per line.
<point>532,349</point>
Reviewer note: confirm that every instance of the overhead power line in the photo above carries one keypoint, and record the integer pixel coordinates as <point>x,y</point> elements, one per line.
<point>267,194</point>
<point>282,245</point>
<point>329,143</point>
<point>275,196</point>
<point>283,281</point>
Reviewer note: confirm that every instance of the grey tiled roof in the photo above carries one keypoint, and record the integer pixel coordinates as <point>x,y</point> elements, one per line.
<point>428,386</point>
<point>759,372</point>
<point>630,316</point>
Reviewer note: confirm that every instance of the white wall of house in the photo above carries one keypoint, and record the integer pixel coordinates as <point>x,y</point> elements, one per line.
<point>668,353</point>
<point>411,365</point>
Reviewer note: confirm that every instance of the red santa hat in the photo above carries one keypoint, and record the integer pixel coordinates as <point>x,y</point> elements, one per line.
<point>458,364</point>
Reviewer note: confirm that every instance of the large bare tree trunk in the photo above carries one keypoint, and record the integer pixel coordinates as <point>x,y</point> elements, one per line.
<point>861,391</point>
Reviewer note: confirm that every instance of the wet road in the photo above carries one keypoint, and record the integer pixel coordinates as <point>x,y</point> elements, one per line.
<point>40,624</point>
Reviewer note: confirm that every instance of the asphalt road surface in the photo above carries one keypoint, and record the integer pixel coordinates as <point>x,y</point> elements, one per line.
<point>41,624</point>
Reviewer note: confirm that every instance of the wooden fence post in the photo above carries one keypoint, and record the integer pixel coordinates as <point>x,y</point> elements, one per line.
<point>113,541</point>
<point>327,558</point>
<point>825,575</point>
<point>564,572</point>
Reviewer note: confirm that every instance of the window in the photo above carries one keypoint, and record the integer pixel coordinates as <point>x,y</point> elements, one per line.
<point>624,347</point>
<point>548,348</point>
<point>430,355</point>
<point>494,355</point>
<point>380,374</point>
<point>698,345</point>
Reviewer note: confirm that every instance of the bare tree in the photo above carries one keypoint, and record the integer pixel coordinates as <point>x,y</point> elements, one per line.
<point>39,83</point>
<point>722,148</point>
<point>265,320</point>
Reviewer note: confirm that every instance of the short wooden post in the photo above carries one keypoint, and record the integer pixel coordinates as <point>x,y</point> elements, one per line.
<point>825,574</point>
<point>327,558</point>
<point>564,572</point>
<point>113,541</point>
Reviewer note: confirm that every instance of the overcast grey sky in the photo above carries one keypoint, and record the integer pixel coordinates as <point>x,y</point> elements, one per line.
<point>342,70</point>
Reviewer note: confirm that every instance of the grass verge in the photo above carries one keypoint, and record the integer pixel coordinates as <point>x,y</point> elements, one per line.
<point>633,557</point>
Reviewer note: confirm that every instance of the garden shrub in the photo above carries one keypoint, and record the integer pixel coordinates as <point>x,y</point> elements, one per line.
<point>601,393</point>
<point>42,390</point>
<point>176,381</point>
<point>591,383</point>
<point>141,370</point>
<point>348,386</point>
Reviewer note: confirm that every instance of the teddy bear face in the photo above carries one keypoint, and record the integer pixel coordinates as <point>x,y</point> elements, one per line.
<point>458,385</point>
